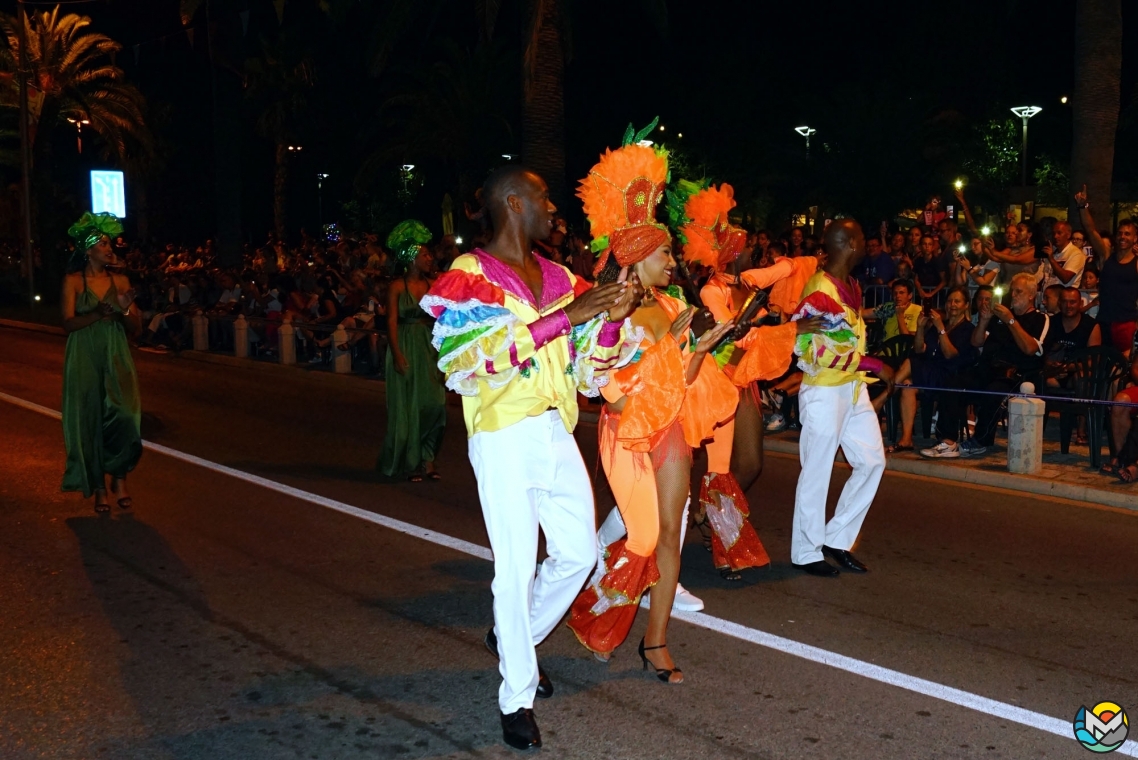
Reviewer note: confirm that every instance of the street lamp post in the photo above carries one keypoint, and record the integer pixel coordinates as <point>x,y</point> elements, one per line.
<point>806,132</point>
<point>1025,113</point>
<point>79,130</point>
<point>320,197</point>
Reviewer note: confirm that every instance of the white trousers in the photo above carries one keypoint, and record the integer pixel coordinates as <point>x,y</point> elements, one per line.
<point>830,417</point>
<point>531,475</point>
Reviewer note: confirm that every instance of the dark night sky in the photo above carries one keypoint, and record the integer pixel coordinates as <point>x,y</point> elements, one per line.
<point>890,85</point>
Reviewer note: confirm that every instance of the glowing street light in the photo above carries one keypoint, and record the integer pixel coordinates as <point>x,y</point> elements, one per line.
<point>79,129</point>
<point>1025,113</point>
<point>806,132</point>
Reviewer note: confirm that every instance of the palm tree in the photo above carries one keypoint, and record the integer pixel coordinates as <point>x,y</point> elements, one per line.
<point>452,110</point>
<point>1096,97</point>
<point>279,82</point>
<point>546,48</point>
<point>73,68</point>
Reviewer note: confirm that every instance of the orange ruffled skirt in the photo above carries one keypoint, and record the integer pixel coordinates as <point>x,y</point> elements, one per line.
<point>603,613</point>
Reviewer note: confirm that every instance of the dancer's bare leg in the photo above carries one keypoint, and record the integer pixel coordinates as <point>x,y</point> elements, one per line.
<point>673,484</point>
<point>747,446</point>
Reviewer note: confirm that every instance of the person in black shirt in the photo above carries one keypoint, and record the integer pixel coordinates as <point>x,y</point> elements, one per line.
<point>1012,342</point>
<point>1072,332</point>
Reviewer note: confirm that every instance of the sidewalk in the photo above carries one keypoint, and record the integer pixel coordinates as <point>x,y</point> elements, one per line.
<point>1064,476</point>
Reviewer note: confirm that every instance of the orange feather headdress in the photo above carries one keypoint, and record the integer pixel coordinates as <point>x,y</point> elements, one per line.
<point>699,212</point>
<point>620,195</point>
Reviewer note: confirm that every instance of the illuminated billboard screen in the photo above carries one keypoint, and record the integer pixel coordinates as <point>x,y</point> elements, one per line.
<point>108,193</point>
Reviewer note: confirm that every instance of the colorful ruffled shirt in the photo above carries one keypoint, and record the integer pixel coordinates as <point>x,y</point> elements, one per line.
<point>510,357</point>
<point>836,355</point>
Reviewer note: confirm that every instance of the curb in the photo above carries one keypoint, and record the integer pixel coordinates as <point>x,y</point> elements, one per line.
<point>33,327</point>
<point>1005,481</point>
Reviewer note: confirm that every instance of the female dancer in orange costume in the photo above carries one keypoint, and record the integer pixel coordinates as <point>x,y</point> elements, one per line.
<point>669,399</point>
<point>699,211</point>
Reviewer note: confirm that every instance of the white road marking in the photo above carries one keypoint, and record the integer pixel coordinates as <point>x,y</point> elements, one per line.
<point>959,697</point>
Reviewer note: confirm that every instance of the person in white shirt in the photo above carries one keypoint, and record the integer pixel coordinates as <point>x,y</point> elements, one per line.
<point>1065,260</point>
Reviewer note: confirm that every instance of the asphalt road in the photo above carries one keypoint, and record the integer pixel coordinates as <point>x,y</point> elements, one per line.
<point>220,619</point>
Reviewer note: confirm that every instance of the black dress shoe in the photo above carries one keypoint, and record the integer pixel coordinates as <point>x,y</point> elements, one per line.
<point>544,685</point>
<point>821,568</point>
<point>845,560</point>
<point>519,729</point>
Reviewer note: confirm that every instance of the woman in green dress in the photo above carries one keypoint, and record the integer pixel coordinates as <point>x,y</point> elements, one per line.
<point>416,397</point>
<point>101,409</point>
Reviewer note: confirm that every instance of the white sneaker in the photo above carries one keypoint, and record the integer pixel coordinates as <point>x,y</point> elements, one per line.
<point>686,601</point>
<point>943,450</point>
<point>776,423</point>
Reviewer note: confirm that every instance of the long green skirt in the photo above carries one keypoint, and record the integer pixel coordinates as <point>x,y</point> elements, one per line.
<point>102,412</point>
<point>416,401</point>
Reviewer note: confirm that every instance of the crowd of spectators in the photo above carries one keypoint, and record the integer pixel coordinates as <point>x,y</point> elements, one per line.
<point>972,308</point>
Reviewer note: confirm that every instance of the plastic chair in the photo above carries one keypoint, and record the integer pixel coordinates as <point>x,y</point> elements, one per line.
<point>894,352</point>
<point>1094,374</point>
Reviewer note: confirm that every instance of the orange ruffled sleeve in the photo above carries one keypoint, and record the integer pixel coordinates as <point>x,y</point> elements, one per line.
<point>787,293</point>
<point>655,386</point>
<point>768,354</point>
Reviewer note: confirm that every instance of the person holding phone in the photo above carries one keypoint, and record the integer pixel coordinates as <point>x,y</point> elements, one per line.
<point>1118,277</point>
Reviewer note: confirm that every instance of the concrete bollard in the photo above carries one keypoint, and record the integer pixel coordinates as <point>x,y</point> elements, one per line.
<point>1025,433</point>
<point>286,334</point>
<point>241,337</point>
<point>341,360</point>
<point>201,331</point>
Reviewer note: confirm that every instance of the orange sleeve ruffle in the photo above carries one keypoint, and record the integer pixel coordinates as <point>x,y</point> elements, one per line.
<point>787,293</point>
<point>768,354</point>
<point>655,387</point>
<point>764,277</point>
<point>711,400</point>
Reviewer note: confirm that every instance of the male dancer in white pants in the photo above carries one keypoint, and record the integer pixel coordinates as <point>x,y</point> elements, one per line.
<point>835,410</point>
<point>516,341</point>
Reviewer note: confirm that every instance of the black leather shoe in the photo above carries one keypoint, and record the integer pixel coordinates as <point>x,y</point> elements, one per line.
<point>821,568</point>
<point>544,685</point>
<point>519,729</point>
<point>845,560</point>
